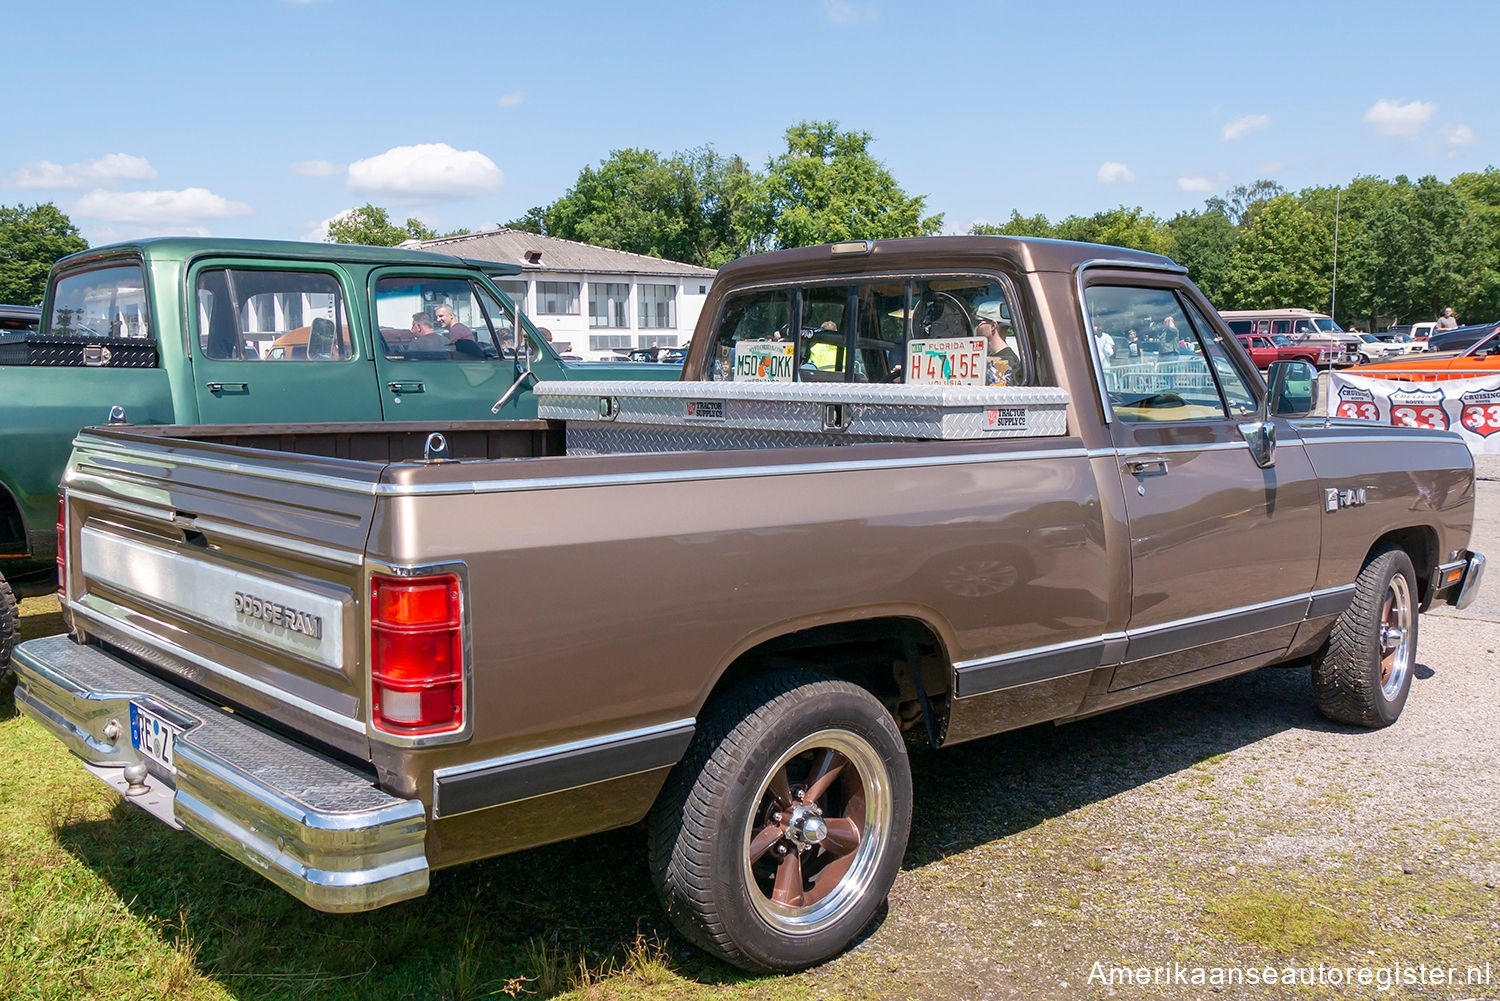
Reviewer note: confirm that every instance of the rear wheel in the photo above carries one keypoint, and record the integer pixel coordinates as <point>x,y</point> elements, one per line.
<point>1362,673</point>
<point>780,833</point>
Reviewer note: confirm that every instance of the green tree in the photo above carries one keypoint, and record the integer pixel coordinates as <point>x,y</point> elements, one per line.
<point>371,226</point>
<point>1203,242</point>
<point>694,206</point>
<point>1481,195</point>
<point>32,239</point>
<point>1016,225</point>
<point>827,187</point>
<point>1281,259</point>
<point>1240,203</point>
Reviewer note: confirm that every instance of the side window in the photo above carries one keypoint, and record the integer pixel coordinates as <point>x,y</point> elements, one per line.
<point>1281,326</point>
<point>250,315</point>
<point>1305,327</point>
<point>440,319</point>
<point>1172,380</point>
<point>1237,395</point>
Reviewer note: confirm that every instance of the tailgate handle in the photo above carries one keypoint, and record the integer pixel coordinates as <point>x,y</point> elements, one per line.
<point>406,387</point>
<point>229,387</point>
<point>1136,467</point>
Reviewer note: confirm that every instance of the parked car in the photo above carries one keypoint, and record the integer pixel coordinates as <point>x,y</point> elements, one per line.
<point>243,331</point>
<point>1303,326</point>
<point>349,672</point>
<point>1460,338</point>
<point>1265,349</point>
<point>1480,358</point>
<point>1375,348</point>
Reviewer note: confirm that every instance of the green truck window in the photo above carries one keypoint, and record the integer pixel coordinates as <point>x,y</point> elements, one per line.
<point>249,315</point>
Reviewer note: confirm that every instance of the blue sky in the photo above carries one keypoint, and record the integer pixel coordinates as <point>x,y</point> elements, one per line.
<point>265,118</point>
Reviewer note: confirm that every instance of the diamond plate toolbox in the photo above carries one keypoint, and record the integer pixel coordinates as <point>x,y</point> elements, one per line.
<point>680,416</point>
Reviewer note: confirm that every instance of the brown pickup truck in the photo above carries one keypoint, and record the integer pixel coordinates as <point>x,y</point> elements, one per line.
<point>901,494</point>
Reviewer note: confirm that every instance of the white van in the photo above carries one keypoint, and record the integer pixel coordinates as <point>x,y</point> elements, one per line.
<point>1303,326</point>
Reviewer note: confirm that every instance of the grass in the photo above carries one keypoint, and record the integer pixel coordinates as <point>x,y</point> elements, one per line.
<point>1023,873</point>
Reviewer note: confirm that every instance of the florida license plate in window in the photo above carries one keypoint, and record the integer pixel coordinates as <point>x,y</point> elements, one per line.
<point>154,737</point>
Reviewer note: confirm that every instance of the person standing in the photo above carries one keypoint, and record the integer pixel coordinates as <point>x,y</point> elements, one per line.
<point>1002,364</point>
<point>1447,321</point>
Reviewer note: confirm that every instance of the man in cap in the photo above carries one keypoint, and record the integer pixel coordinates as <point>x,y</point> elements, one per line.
<point>1003,367</point>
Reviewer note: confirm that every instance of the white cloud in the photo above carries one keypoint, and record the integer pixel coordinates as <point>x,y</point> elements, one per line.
<point>317,168</point>
<point>1401,120</point>
<point>1114,172</point>
<point>426,172</point>
<point>512,99</point>
<point>847,12</point>
<point>105,170</point>
<point>1268,168</point>
<point>1458,135</point>
<point>188,207</point>
<point>1242,126</point>
<point>1192,180</point>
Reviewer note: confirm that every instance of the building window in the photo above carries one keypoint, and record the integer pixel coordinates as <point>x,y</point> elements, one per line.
<point>658,341</point>
<point>557,298</point>
<point>514,288</point>
<point>658,307</point>
<point>607,304</point>
<point>609,342</point>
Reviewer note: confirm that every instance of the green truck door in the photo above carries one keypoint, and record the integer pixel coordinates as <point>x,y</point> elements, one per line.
<point>445,348</point>
<point>278,343</point>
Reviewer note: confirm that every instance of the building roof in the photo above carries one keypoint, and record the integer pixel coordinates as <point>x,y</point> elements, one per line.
<point>514,246</point>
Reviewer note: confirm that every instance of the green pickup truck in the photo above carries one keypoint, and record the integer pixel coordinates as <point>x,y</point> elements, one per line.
<point>209,331</point>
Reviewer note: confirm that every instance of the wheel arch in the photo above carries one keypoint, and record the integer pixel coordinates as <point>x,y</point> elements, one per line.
<point>1420,543</point>
<point>868,647</point>
<point>13,540</point>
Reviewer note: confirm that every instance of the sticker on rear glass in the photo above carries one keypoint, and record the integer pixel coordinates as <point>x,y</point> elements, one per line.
<point>764,361</point>
<point>945,361</point>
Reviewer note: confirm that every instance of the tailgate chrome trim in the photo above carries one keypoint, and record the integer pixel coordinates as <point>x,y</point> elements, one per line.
<point>316,827</point>
<point>147,639</point>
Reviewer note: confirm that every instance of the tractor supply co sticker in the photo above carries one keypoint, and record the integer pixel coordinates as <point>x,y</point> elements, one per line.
<point>763,361</point>
<point>1005,419</point>
<point>1357,403</point>
<point>1418,408</point>
<point>705,410</point>
<point>946,361</point>
<point>1479,411</point>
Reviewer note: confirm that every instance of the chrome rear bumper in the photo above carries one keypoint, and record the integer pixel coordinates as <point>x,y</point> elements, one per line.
<point>1462,591</point>
<point>314,826</point>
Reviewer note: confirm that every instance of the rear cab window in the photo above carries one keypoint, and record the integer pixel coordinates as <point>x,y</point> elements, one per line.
<point>97,317</point>
<point>252,314</point>
<point>901,329</point>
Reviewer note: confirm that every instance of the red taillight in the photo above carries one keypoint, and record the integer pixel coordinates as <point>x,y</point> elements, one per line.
<point>62,545</point>
<point>417,654</point>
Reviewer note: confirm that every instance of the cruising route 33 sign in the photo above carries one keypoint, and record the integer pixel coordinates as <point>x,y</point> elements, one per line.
<point>1469,406</point>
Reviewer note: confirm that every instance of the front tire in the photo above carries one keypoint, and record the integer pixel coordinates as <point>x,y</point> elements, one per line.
<point>779,834</point>
<point>1362,673</point>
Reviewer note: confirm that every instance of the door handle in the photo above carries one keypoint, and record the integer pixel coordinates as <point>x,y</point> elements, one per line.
<point>233,387</point>
<point>1136,467</point>
<point>406,387</point>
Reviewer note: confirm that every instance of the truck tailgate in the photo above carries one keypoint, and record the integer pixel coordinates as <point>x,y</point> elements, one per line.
<point>240,572</point>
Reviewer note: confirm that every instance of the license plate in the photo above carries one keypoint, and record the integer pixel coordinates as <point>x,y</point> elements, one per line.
<point>952,361</point>
<point>154,737</point>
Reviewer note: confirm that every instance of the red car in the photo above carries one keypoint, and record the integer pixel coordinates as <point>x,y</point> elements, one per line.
<point>1266,348</point>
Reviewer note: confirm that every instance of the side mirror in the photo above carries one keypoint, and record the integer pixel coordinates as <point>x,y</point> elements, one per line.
<point>1293,388</point>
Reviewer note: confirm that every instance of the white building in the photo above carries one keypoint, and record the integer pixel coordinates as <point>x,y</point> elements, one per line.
<point>597,303</point>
